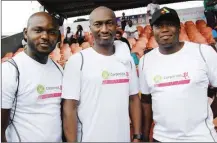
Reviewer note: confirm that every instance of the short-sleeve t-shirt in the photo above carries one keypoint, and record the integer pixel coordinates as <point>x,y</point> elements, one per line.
<point>102,88</point>
<point>178,84</point>
<point>37,117</point>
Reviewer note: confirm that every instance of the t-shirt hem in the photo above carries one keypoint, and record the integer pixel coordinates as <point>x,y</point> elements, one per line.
<point>6,106</point>
<point>134,92</point>
<point>70,98</point>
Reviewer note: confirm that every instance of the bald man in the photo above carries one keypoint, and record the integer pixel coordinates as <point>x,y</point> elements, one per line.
<point>100,87</point>
<point>31,87</point>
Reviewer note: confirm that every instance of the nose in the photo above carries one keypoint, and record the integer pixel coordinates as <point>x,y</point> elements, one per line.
<point>44,35</point>
<point>164,28</point>
<point>104,28</point>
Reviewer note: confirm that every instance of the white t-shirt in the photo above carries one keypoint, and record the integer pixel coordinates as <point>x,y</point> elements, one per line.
<point>131,29</point>
<point>37,117</point>
<point>152,8</point>
<point>178,84</point>
<point>103,88</point>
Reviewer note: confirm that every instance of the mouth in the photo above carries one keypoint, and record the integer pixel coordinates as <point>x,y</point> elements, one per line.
<point>165,37</point>
<point>107,36</point>
<point>44,45</point>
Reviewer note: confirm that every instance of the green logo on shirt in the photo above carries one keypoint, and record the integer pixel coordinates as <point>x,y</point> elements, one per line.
<point>105,74</point>
<point>40,89</point>
<point>157,78</point>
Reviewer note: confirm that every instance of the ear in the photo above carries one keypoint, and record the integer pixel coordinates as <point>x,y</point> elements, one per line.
<point>25,33</point>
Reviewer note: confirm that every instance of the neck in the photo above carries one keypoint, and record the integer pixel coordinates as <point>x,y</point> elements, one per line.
<point>171,49</point>
<point>39,58</point>
<point>107,50</point>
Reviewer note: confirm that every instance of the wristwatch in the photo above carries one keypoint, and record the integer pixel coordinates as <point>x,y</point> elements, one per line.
<point>137,136</point>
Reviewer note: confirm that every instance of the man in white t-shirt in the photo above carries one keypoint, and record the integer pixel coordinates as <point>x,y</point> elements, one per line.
<point>31,87</point>
<point>151,8</point>
<point>100,87</point>
<point>131,30</point>
<point>174,80</point>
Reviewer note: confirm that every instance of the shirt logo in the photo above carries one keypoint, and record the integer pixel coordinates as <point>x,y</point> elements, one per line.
<point>157,78</point>
<point>105,74</point>
<point>115,78</point>
<point>171,80</point>
<point>40,89</point>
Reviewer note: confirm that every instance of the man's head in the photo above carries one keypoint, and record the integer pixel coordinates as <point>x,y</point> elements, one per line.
<point>68,29</point>
<point>123,14</point>
<point>130,23</point>
<point>79,27</point>
<point>118,35</point>
<point>166,27</point>
<point>41,33</point>
<point>103,26</point>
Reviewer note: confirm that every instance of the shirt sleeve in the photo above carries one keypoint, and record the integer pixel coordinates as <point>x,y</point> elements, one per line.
<point>72,78</point>
<point>9,84</point>
<point>210,57</point>
<point>134,83</point>
<point>142,78</point>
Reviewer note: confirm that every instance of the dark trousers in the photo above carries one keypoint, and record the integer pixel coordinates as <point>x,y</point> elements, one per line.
<point>123,26</point>
<point>211,18</point>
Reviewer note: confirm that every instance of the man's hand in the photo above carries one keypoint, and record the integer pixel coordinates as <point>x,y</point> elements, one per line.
<point>215,123</point>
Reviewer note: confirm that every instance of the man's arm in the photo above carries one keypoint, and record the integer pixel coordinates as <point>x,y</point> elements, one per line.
<point>135,113</point>
<point>71,95</point>
<point>147,115</point>
<point>70,119</point>
<point>5,116</point>
<point>9,87</point>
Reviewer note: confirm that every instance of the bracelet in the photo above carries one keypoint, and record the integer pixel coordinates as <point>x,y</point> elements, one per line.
<point>137,136</point>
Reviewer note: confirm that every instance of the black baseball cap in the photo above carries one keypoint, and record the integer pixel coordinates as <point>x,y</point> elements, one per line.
<point>165,13</point>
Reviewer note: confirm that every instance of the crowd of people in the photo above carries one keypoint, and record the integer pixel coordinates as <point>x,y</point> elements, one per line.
<point>96,96</point>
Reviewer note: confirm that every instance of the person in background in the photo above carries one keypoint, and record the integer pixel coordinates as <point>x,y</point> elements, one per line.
<point>123,21</point>
<point>119,37</point>
<point>151,8</point>
<point>80,34</point>
<point>131,30</point>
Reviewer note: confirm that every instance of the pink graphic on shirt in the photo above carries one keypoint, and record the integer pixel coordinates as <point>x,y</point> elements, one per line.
<point>172,83</point>
<point>115,81</point>
<point>185,75</point>
<point>52,95</point>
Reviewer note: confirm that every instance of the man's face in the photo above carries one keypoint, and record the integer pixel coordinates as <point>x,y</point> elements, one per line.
<point>130,23</point>
<point>68,30</point>
<point>42,34</point>
<point>123,14</point>
<point>103,27</point>
<point>118,36</point>
<point>166,33</point>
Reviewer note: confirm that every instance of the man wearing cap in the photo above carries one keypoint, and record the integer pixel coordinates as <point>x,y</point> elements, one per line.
<point>174,80</point>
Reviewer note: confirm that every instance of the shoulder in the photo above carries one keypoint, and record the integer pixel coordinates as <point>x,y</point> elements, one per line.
<point>120,45</point>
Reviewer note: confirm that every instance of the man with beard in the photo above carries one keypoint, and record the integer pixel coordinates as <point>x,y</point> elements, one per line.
<point>100,87</point>
<point>174,79</point>
<point>31,86</point>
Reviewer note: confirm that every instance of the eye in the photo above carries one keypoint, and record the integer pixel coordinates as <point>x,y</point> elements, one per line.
<point>38,30</point>
<point>110,23</point>
<point>53,32</point>
<point>96,24</point>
